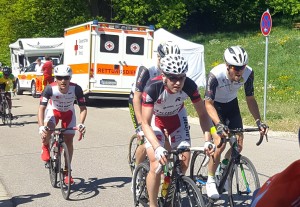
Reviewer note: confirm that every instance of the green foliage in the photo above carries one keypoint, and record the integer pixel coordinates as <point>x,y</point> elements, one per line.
<point>288,7</point>
<point>167,14</point>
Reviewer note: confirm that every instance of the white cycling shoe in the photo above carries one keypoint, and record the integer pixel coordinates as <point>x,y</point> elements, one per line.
<point>211,190</point>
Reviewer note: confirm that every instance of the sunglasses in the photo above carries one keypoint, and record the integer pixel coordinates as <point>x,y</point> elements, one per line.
<point>62,77</point>
<point>237,68</point>
<point>175,78</point>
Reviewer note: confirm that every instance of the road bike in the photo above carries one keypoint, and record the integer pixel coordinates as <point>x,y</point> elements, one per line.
<point>240,173</point>
<point>182,190</point>
<point>59,164</point>
<point>134,143</point>
<point>6,115</point>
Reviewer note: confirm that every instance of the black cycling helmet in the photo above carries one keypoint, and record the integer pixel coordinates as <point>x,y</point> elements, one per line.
<point>6,70</point>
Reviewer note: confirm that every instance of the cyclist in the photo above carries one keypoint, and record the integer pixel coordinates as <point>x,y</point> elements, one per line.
<point>143,74</point>
<point>163,108</point>
<point>222,106</point>
<point>57,103</point>
<point>7,83</point>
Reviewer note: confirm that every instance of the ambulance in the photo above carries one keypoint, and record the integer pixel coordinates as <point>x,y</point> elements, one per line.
<point>24,52</point>
<point>104,57</point>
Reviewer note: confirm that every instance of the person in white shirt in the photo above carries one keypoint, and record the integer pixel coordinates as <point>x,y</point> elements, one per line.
<point>39,75</point>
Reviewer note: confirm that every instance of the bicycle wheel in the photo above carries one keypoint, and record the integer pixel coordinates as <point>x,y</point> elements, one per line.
<point>4,115</point>
<point>198,172</point>
<point>140,193</point>
<point>243,181</point>
<point>188,194</point>
<point>8,114</point>
<point>64,163</point>
<point>53,162</point>
<point>133,144</point>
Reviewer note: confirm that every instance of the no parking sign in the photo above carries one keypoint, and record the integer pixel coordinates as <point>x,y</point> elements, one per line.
<point>266,23</point>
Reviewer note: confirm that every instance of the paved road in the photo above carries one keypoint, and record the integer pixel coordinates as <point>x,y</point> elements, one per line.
<point>100,167</point>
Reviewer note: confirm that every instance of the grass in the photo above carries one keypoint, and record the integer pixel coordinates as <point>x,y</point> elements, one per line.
<point>283,82</point>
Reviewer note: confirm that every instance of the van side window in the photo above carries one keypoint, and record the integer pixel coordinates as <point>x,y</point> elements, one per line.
<point>134,45</point>
<point>109,43</point>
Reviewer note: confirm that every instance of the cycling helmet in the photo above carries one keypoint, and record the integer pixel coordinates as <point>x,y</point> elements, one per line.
<point>6,70</point>
<point>167,48</point>
<point>62,70</point>
<point>236,56</point>
<point>174,64</point>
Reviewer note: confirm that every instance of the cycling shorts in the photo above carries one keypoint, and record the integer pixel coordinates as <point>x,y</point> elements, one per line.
<point>68,119</point>
<point>229,113</point>
<point>177,127</point>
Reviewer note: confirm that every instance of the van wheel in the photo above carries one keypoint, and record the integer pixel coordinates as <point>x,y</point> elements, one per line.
<point>19,91</point>
<point>33,89</point>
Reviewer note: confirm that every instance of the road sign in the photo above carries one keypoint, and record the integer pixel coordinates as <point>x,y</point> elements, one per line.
<point>266,23</point>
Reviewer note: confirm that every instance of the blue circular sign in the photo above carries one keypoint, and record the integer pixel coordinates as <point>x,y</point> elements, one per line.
<point>266,23</point>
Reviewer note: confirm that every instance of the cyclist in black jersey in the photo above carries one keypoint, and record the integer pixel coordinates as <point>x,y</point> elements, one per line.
<point>142,76</point>
<point>221,103</point>
<point>163,109</point>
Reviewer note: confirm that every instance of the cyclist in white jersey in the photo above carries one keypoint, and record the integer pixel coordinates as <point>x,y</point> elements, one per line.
<point>221,103</point>
<point>142,76</point>
<point>163,108</point>
<point>57,103</point>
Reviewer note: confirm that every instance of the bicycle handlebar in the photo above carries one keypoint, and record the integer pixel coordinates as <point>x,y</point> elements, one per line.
<point>59,130</point>
<point>240,130</point>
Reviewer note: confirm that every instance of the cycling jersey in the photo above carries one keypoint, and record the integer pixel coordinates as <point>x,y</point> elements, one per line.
<point>169,111</point>
<point>142,76</point>
<point>219,88</point>
<point>61,106</point>
<point>281,189</point>
<point>8,83</point>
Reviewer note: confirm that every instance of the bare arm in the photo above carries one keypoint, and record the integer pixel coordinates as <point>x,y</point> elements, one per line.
<point>209,105</point>
<point>147,129</point>
<point>205,121</point>
<point>41,113</point>
<point>253,107</point>
<point>137,106</point>
<point>83,113</point>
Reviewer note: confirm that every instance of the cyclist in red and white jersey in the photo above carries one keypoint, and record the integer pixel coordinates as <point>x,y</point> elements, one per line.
<point>142,76</point>
<point>221,103</point>
<point>163,108</point>
<point>57,104</point>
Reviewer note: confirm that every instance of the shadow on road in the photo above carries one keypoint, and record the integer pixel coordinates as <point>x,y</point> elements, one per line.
<point>83,190</point>
<point>18,200</point>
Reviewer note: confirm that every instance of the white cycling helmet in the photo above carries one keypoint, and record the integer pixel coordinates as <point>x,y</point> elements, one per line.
<point>173,64</point>
<point>236,56</point>
<point>62,70</point>
<point>167,48</point>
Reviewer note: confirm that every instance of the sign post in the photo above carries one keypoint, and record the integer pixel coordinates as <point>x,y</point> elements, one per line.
<point>265,27</point>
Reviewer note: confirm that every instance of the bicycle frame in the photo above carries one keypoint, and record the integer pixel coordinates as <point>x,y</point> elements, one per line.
<point>175,176</point>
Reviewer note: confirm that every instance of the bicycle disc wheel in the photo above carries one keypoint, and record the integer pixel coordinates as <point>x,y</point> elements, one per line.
<point>140,193</point>
<point>243,181</point>
<point>53,164</point>
<point>133,144</point>
<point>64,162</point>
<point>198,172</point>
<point>188,194</point>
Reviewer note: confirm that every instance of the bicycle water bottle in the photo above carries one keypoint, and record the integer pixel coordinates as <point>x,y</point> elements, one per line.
<point>223,165</point>
<point>165,185</point>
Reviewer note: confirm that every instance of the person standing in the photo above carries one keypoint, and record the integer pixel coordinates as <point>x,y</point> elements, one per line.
<point>47,72</point>
<point>39,75</point>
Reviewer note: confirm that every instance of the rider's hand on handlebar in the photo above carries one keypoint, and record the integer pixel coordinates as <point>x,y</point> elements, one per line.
<point>160,155</point>
<point>263,128</point>
<point>222,130</point>
<point>43,130</point>
<point>81,128</point>
<point>209,148</point>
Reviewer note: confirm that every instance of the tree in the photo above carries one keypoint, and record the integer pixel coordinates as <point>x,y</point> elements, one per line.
<point>288,7</point>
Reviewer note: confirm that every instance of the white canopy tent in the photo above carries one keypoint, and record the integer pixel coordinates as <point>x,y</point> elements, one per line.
<point>192,52</point>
